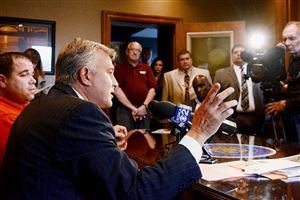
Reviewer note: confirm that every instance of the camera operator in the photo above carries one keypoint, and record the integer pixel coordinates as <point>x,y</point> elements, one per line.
<point>249,113</point>
<point>290,106</point>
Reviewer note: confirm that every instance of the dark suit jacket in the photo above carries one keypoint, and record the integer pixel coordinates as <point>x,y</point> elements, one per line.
<point>227,78</point>
<point>62,147</point>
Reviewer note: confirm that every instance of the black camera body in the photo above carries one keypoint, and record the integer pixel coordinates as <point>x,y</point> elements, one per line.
<point>267,68</point>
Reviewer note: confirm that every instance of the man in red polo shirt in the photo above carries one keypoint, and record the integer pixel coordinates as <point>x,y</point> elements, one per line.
<point>136,89</point>
<point>17,88</point>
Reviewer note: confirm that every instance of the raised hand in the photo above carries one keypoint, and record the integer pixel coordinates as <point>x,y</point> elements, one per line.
<point>211,113</point>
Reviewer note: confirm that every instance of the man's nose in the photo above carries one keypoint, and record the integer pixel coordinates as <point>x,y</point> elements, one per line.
<point>114,82</point>
<point>287,42</point>
<point>32,80</point>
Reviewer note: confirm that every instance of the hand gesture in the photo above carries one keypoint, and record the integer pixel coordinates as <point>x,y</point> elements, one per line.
<point>211,113</point>
<point>121,136</point>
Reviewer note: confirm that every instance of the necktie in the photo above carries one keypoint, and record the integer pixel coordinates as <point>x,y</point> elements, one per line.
<point>244,98</point>
<point>187,85</point>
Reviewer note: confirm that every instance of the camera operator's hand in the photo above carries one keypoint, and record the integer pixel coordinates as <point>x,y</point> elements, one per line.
<point>283,88</point>
<point>275,107</point>
<point>211,113</point>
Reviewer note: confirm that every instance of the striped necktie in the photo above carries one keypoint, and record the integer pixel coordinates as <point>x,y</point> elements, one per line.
<point>244,97</point>
<point>187,85</point>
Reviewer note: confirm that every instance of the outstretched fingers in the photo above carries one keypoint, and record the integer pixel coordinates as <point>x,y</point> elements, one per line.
<point>212,93</point>
<point>211,113</point>
<point>222,96</point>
<point>225,109</point>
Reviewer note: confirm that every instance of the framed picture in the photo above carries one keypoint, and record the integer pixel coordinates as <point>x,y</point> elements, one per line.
<point>17,34</point>
<point>210,50</point>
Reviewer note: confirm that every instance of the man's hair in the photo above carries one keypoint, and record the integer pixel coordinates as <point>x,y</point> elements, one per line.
<point>237,46</point>
<point>134,42</point>
<point>7,60</point>
<point>182,52</point>
<point>297,23</point>
<point>77,54</point>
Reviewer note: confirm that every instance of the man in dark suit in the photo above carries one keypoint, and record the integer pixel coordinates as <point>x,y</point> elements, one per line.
<point>249,120</point>
<point>63,145</point>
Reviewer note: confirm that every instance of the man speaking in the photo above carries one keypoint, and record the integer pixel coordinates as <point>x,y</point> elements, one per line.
<point>63,146</point>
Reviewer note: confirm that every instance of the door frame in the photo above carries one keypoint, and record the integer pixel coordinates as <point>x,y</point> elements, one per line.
<point>109,16</point>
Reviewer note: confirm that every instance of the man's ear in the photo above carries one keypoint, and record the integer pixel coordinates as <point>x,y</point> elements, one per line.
<point>84,75</point>
<point>2,81</point>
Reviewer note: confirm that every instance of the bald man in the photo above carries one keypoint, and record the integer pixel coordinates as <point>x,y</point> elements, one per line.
<point>136,89</point>
<point>290,107</point>
<point>201,87</point>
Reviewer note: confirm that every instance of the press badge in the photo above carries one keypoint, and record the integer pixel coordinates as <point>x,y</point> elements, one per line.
<point>142,72</point>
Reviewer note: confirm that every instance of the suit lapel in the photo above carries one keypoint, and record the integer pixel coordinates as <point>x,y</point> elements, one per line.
<point>179,80</point>
<point>233,78</point>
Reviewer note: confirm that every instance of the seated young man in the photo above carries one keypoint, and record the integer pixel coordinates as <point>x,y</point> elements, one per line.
<point>17,88</point>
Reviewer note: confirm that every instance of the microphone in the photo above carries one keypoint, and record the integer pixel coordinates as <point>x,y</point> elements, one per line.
<point>181,114</point>
<point>163,109</point>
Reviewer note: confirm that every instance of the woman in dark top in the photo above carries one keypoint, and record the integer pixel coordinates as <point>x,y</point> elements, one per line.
<point>157,67</point>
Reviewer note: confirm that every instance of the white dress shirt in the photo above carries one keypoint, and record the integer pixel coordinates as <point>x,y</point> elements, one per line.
<point>249,82</point>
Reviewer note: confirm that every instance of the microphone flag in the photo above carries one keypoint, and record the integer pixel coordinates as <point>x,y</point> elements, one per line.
<point>182,115</point>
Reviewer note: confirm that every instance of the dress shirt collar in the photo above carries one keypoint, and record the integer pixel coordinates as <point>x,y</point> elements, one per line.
<point>239,68</point>
<point>189,71</point>
<point>78,94</point>
<point>198,103</point>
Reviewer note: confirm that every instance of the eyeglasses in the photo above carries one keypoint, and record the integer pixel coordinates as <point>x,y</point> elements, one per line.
<point>135,50</point>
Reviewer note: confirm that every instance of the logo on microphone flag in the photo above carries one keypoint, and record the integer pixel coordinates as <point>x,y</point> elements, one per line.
<point>182,115</point>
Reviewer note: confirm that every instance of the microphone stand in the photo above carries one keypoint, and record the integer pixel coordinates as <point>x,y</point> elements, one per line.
<point>179,132</point>
<point>207,158</point>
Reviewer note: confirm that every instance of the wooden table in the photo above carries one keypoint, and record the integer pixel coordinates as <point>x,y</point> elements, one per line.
<point>254,188</point>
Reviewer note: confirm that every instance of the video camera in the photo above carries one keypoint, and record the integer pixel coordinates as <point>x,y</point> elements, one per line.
<point>267,68</point>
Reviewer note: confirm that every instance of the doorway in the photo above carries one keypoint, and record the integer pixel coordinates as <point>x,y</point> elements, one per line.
<point>156,32</point>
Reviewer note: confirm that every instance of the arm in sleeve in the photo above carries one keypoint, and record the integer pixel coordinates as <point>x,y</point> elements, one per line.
<point>88,153</point>
<point>121,96</point>
<point>150,96</point>
<point>293,104</point>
